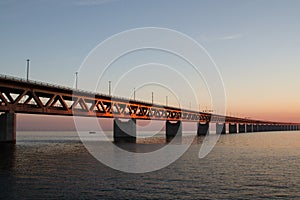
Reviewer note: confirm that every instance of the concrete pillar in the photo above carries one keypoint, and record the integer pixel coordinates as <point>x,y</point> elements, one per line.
<point>259,128</point>
<point>221,128</point>
<point>249,128</point>
<point>286,127</point>
<point>263,128</point>
<point>125,131</point>
<point>278,128</point>
<point>255,128</point>
<point>242,128</point>
<point>173,129</point>
<point>271,127</point>
<point>203,129</point>
<point>8,128</point>
<point>232,128</point>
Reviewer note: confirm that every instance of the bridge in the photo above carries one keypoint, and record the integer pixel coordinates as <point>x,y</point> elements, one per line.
<point>32,97</point>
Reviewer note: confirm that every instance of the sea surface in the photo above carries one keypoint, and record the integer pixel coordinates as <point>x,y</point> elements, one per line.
<point>56,165</point>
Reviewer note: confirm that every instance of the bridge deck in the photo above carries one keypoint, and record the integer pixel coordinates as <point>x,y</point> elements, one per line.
<point>21,96</point>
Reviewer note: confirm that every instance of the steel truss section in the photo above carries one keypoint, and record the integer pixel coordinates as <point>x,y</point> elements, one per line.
<point>20,96</point>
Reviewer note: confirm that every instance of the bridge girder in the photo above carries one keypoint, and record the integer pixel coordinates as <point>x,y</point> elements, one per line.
<point>20,96</point>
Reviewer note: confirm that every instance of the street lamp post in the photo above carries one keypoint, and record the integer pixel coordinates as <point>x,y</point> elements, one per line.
<point>166,100</point>
<point>76,80</point>
<point>28,69</point>
<point>109,88</point>
<point>133,93</point>
<point>152,97</point>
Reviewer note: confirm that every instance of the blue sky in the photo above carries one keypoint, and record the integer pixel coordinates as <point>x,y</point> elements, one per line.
<point>255,44</point>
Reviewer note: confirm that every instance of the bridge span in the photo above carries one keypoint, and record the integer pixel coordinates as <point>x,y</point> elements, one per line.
<point>32,97</point>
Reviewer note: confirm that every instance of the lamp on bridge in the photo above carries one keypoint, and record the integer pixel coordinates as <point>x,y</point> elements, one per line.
<point>76,80</point>
<point>28,69</point>
<point>109,88</point>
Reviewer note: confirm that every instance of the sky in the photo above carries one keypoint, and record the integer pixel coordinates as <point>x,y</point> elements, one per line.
<point>255,45</point>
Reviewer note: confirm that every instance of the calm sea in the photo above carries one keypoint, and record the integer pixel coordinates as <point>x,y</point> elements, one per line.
<point>45,165</point>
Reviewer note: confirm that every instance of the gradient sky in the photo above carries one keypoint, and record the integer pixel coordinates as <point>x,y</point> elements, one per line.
<point>255,44</point>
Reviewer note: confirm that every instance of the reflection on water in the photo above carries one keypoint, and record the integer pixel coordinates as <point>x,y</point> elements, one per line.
<point>246,166</point>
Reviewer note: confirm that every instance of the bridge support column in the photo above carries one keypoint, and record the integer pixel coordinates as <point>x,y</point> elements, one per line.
<point>8,128</point>
<point>125,131</point>
<point>232,128</point>
<point>249,128</point>
<point>221,128</point>
<point>242,128</point>
<point>278,128</point>
<point>282,128</point>
<point>203,129</point>
<point>173,129</point>
<point>255,128</point>
<point>270,127</point>
<point>262,128</point>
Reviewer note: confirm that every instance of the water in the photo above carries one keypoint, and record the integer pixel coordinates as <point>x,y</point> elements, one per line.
<point>242,166</point>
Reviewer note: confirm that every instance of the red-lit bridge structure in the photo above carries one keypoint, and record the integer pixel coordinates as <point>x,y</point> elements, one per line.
<point>32,97</point>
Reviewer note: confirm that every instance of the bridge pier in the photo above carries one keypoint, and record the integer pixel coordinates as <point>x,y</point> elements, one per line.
<point>125,131</point>
<point>255,128</point>
<point>221,128</point>
<point>173,129</point>
<point>249,128</point>
<point>8,128</point>
<point>278,128</point>
<point>270,127</point>
<point>203,129</point>
<point>242,128</point>
<point>232,128</point>
<point>293,127</point>
<point>262,128</point>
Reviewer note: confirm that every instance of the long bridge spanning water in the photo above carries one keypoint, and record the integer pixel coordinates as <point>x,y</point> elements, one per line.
<point>31,97</point>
